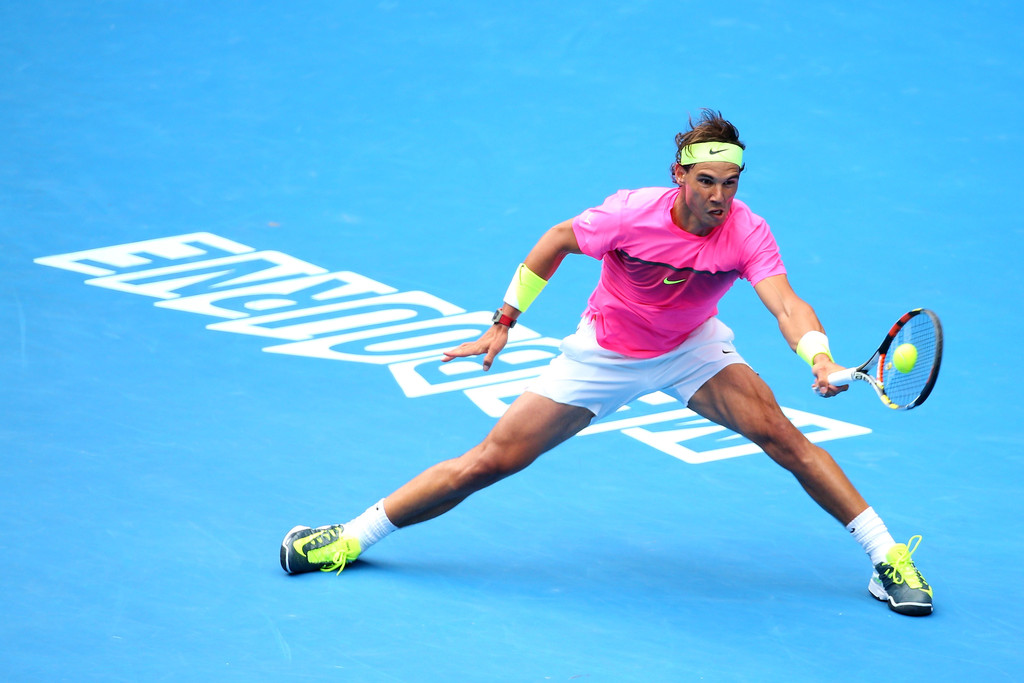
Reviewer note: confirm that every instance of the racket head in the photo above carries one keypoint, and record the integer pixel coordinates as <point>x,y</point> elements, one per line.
<point>905,390</point>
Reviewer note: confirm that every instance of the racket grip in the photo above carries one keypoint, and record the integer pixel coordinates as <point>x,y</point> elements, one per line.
<point>842,377</point>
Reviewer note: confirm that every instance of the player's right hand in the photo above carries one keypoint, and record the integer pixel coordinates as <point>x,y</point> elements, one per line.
<point>490,344</point>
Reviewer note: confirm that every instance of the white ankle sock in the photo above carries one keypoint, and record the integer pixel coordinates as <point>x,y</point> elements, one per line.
<point>371,526</point>
<point>869,530</point>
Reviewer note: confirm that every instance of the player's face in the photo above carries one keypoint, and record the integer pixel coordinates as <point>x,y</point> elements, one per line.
<point>708,190</point>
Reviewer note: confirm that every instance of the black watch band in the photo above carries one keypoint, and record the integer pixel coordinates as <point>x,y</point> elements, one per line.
<point>501,318</point>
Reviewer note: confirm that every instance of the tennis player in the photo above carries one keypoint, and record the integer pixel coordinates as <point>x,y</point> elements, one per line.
<point>668,256</point>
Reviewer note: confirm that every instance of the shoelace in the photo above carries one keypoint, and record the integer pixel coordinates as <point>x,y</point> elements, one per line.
<point>903,568</point>
<point>339,558</point>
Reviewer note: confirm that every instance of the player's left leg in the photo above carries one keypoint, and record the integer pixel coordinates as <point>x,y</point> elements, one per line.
<point>737,398</point>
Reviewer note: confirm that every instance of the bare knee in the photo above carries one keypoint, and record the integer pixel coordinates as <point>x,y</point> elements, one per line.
<point>489,462</point>
<point>532,425</point>
<point>787,445</point>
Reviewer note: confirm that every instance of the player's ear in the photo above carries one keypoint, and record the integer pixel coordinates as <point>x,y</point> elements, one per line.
<point>678,173</point>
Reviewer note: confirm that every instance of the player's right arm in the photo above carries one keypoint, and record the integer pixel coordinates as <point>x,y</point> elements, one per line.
<point>544,259</point>
<point>553,246</point>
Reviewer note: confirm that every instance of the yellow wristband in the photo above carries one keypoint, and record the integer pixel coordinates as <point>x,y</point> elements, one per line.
<point>524,288</point>
<point>811,344</point>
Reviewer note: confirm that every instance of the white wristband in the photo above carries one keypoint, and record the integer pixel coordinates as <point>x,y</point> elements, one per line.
<point>811,344</point>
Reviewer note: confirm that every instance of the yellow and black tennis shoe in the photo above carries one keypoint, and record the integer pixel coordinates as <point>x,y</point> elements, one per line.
<point>898,582</point>
<point>324,549</point>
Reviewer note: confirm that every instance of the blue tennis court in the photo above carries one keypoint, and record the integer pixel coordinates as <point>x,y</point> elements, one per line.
<point>234,239</point>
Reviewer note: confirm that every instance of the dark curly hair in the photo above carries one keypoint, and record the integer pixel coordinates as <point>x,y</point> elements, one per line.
<point>711,127</point>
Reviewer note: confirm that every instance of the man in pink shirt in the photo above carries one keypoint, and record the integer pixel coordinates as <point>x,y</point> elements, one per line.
<point>668,256</point>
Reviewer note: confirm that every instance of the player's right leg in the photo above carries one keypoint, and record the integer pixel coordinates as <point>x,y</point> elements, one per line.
<point>532,425</point>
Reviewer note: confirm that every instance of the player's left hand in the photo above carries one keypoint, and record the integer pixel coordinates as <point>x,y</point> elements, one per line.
<point>822,369</point>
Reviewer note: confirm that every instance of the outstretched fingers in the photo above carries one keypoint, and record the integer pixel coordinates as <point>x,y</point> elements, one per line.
<point>489,345</point>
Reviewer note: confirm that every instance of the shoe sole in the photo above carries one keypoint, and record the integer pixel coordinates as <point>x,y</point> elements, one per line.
<point>910,609</point>
<point>285,548</point>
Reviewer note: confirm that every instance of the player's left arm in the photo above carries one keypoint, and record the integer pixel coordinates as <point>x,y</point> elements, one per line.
<point>796,318</point>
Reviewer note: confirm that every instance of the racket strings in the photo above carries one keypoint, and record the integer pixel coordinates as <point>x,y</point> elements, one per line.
<point>903,388</point>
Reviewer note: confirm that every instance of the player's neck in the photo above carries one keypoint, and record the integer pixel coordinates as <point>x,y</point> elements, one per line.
<point>686,220</point>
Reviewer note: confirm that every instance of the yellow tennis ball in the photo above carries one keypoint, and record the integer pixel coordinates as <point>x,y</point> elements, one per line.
<point>904,358</point>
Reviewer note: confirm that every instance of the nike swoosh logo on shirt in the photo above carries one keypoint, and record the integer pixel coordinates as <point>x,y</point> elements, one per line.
<point>673,282</point>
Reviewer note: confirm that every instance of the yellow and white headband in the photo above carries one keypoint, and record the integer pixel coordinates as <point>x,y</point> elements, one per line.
<point>711,151</point>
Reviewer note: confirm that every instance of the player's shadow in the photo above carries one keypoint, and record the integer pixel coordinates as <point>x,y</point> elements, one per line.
<point>675,576</point>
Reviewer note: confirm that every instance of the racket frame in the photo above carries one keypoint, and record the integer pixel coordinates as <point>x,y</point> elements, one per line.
<point>874,367</point>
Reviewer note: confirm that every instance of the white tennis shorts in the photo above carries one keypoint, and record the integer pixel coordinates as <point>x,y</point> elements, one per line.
<point>602,381</point>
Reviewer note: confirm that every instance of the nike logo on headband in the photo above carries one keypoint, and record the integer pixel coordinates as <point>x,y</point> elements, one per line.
<point>716,151</point>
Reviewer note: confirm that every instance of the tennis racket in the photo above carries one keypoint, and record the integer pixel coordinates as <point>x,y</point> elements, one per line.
<point>902,385</point>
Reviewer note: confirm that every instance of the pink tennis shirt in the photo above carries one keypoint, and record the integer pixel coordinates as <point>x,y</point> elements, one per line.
<point>658,282</point>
